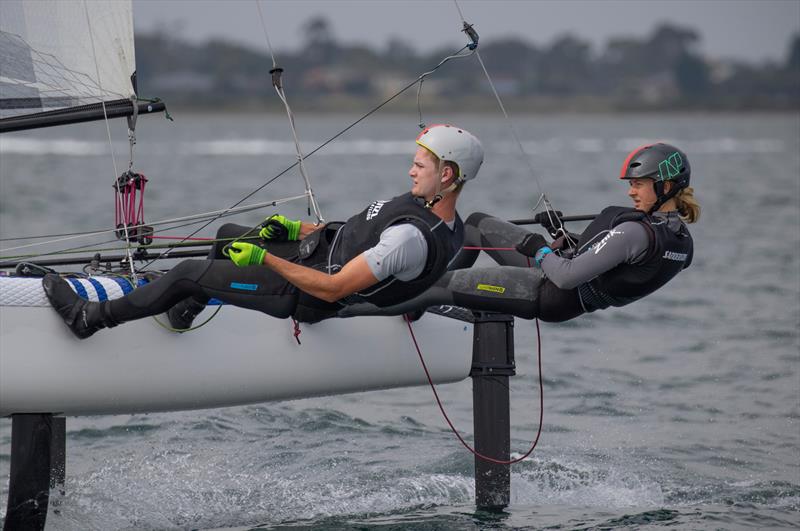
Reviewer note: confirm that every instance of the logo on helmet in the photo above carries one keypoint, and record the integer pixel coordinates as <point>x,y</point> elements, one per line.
<point>670,167</point>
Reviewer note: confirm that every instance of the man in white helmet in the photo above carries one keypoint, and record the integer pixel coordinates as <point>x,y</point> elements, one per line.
<point>390,252</point>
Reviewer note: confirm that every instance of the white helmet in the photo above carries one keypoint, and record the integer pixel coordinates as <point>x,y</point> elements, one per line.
<point>454,144</point>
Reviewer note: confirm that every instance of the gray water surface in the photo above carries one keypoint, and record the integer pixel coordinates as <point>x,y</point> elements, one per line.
<point>681,410</point>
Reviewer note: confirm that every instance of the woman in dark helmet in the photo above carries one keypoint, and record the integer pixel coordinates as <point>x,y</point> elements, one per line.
<point>623,255</point>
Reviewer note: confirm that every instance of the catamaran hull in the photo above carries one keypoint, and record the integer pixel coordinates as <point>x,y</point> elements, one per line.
<point>240,357</point>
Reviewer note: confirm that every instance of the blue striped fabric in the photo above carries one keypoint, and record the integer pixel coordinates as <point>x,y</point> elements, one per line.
<point>79,289</point>
<point>101,291</point>
<point>124,285</point>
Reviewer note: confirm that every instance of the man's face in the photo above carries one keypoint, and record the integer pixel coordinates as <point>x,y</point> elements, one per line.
<point>424,173</point>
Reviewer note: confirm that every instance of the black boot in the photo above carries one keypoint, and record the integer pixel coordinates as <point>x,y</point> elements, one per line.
<point>83,317</point>
<point>182,314</point>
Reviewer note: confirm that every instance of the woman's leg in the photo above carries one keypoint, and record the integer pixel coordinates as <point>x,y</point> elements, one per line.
<point>504,289</point>
<point>522,292</point>
<point>230,231</point>
<point>483,230</point>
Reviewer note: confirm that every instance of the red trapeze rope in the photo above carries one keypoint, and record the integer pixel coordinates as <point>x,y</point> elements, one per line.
<point>441,407</point>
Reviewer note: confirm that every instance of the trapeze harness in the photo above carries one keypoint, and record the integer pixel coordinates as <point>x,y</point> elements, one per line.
<point>330,248</point>
<point>668,254</point>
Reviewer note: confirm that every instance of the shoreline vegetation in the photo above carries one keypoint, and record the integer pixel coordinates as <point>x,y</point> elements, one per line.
<point>662,72</point>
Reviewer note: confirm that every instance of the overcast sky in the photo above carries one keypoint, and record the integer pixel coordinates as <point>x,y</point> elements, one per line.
<point>746,29</point>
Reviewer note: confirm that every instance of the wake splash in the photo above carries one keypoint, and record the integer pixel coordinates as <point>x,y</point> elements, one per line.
<point>211,486</point>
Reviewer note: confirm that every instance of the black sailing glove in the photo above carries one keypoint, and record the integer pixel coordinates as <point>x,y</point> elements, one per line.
<point>532,243</point>
<point>535,246</point>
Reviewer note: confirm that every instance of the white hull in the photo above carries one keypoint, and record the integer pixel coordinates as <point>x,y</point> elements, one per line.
<point>240,357</point>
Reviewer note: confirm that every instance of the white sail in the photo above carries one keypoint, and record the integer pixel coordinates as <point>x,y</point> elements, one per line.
<point>62,54</point>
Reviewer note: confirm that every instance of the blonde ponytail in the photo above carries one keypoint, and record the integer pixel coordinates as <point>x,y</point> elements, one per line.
<point>688,207</point>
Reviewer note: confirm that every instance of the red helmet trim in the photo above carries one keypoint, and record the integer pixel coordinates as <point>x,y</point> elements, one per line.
<point>629,157</point>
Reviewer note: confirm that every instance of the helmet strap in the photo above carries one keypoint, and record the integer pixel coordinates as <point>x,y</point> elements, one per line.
<point>662,197</point>
<point>441,193</point>
<point>439,168</point>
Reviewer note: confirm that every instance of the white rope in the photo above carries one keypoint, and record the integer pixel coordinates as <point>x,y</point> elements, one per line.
<point>312,201</point>
<point>117,197</point>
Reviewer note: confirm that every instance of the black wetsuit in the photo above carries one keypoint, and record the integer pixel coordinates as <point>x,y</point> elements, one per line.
<point>622,256</point>
<point>260,288</point>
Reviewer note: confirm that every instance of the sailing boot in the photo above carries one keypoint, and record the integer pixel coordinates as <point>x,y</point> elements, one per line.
<point>83,317</point>
<point>183,313</point>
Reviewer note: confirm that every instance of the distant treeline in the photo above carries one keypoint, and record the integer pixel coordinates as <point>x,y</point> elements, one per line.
<point>663,71</point>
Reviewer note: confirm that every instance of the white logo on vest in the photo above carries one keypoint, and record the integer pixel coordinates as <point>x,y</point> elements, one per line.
<point>678,257</point>
<point>374,208</point>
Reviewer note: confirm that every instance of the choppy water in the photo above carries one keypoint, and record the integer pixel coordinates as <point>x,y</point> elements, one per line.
<point>682,410</point>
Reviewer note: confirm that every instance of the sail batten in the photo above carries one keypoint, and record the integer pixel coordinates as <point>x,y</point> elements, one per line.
<point>59,57</point>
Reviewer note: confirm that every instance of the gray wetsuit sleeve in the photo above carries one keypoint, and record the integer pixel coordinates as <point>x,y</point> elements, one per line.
<point>401,252</point>
<point>625,243</point>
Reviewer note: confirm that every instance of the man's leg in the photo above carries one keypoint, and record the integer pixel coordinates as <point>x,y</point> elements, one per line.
<point>181,315</point>
<point>254,287</point>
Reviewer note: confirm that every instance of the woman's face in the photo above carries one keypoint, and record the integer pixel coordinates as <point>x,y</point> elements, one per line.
<point>642,193</point>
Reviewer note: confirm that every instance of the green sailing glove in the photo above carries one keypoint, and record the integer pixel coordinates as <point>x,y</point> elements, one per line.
<point>278,228</point>
<point>246,254</point>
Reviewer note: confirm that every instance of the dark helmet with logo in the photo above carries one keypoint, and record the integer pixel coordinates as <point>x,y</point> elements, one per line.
<point>660,162</point>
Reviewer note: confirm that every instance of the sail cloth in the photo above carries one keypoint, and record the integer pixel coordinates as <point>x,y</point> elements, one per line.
<point>65,57</point>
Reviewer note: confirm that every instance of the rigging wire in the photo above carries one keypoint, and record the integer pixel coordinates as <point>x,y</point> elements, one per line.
<point>182,243</point>
<point>477,454</point>
<point>543,197</point>
<point>458,55</point>
<point>108,133</point>
<point>185,241</point>
<point>212,215</point>
<point>277,83</point>
<point>315,150</point>
<point>225,212</point>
